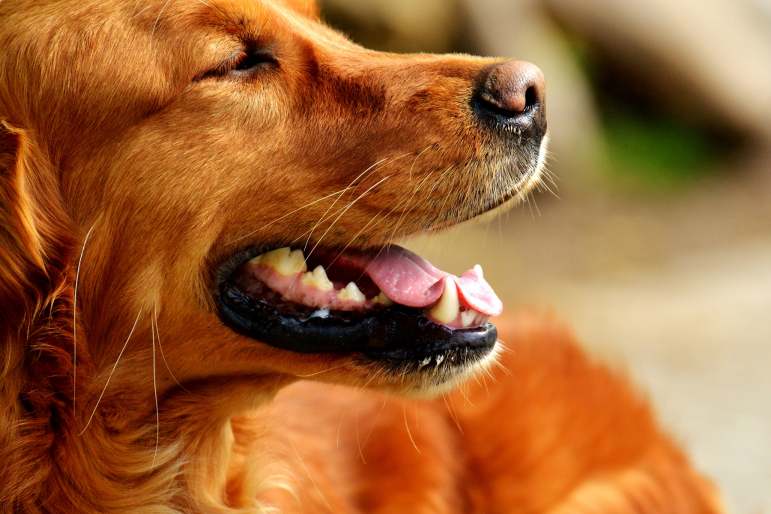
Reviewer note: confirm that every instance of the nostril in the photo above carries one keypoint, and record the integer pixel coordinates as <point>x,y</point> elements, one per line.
<point>531,98</point>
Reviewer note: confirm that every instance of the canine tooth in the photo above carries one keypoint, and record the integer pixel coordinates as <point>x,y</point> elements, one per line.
<point>424,363</point>
<point>468,317</point>
<point>439,359</point>
<point>284,260</point>
<point>351,292</point>
<point>318,278</point>
<point>478,269</point>
<point>448,307</point>
<point>381,298</point>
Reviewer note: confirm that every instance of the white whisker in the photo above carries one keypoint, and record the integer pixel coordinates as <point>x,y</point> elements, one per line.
<point>372,428</point>
<point>505,348</point>
<point>157,411</point>
<point>452,415</point>
<point>407,425</point>
<point>403,200</point>
<point>457,419</point>
<point>75,319</point>
<point>361,177</point>
<point>346,210</point>
<point>416,159</point>
<point>487,229</point>
<point>401,217</point>
<point>323,216</point>
<point>358,402</point>
<point>302,462</point>
<point>285,215</point>
<point>464,394</point>
<point>155,25</point>
<point>209,5</point>
<point>323,371</point>
<point>140,12</point>
<point>163,356</point>
<point>340,426</point>
<point>354,238</point>
<point>111,372</point>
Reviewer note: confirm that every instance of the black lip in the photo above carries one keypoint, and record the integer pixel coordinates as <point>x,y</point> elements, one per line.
<point>395,333</point>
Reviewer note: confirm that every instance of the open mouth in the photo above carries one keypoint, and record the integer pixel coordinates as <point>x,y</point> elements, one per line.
<point>387,304</point>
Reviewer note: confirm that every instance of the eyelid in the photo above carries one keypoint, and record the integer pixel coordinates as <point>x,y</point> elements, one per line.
<point>243,56</point>
<point>230,63</point>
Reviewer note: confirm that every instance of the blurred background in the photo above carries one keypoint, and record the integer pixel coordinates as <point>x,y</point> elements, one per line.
<point>655,241</point>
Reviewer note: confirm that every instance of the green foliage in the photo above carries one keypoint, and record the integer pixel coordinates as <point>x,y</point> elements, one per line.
<point>655,152</point>
<point>648,146</point>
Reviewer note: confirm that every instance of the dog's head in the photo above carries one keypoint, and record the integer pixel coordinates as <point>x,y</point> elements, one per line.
<point>158,157</point>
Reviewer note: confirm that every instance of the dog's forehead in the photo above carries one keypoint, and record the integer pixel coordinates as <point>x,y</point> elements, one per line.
<point>191,37</point>
<point>91,29</point>
<point>230,13</point>
<point>147,50</point>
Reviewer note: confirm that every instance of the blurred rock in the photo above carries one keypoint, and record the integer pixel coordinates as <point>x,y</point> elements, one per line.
<point>707,60</point>
<point>397,25</point>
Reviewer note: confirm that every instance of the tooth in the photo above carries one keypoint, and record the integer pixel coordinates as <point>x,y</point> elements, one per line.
<point>284,260</point>
<point>382,299</point>
<point>481,319</point>
<point>424,363</point>
<point>468,317</point>
<point>478,269</point>
<point>351,292</point>
<point>319,313</point>
<point>448,307</point>
<point>318,279</point>
<point>297,262</point>
<point>439,359</point>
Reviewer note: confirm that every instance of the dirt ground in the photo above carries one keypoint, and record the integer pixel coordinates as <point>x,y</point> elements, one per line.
<point>674,288</point>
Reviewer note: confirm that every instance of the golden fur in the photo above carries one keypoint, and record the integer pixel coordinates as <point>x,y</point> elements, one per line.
<point>131,164</point>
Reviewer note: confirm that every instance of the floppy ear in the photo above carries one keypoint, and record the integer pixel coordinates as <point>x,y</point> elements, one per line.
<point>34,239</point>
<point>35,312</point>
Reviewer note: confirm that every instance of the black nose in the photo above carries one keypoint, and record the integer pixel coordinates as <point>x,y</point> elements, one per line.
<point>512,94</point>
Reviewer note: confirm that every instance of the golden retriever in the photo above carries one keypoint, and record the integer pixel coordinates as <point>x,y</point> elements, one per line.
<point>201,309</point>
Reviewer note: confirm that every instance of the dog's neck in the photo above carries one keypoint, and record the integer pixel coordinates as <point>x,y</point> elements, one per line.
<point>117,448</point>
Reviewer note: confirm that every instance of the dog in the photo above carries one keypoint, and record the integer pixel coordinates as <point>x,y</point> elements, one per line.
<point>201,305</point>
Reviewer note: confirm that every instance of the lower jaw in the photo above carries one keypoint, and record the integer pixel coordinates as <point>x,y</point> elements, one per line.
<point>398,335</point>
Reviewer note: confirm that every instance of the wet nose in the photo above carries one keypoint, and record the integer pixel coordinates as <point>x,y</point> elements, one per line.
<point>513,94</point>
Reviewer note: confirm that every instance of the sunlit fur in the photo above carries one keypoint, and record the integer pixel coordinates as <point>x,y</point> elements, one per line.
<point>132,166</point>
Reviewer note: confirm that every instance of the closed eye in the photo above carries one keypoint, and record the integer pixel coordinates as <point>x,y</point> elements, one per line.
<point>244,64</point>
<point>252,59</point>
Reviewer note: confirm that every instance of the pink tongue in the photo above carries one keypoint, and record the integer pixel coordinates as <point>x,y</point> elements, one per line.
<point>411,280</point>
